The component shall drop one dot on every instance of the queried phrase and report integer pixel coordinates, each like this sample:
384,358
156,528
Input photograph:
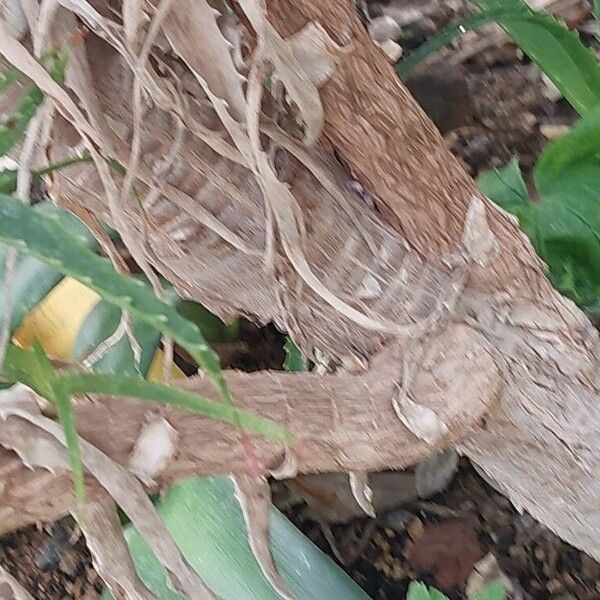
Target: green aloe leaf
109,384
45,239
205,519
557,51
101,322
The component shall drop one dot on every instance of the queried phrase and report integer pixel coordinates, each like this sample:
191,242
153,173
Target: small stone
384,28
69,562
397,520
554,585
539,553
415,529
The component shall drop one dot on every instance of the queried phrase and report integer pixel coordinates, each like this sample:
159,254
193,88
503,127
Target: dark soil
539,565
490,108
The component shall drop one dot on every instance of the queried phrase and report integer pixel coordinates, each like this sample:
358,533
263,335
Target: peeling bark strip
500,341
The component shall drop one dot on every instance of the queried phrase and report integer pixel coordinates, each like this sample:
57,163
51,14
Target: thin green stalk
449,33
63,164
109,384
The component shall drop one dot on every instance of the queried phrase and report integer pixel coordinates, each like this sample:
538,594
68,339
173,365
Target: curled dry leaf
254,495
362,492
153,450
421,420
104,536
300,78
316,52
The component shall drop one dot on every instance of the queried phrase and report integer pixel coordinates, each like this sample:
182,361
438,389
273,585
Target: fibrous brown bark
531,363
340,423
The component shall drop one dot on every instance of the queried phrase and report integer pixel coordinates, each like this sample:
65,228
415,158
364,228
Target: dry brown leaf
191,28
362,492
288,67
19,403
104,537
254,495
132,18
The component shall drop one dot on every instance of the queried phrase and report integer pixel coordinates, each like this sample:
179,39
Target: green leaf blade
557,51
294,361
66,417
452,31
207,524
506,188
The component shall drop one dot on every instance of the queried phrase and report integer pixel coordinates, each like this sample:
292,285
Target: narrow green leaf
494,591
507,188
46,240
294,359
13,127
557,51
64,408
452,31
23,364
136,387
417,591
8,177
32,367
